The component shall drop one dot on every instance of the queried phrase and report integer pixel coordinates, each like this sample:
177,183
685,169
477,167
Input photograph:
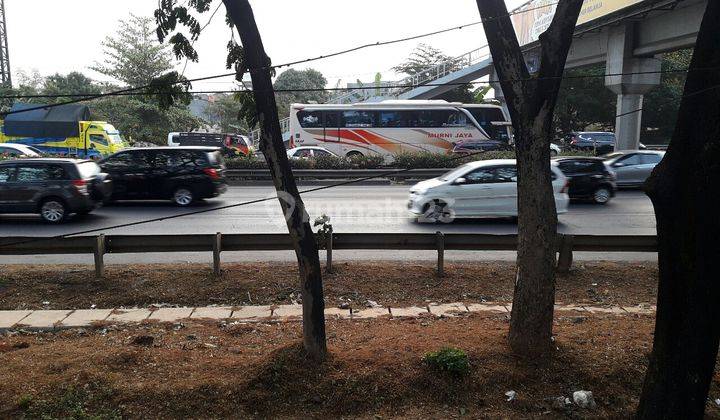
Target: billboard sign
530,24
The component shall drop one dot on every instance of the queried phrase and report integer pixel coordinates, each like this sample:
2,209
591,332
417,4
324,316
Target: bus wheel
354,155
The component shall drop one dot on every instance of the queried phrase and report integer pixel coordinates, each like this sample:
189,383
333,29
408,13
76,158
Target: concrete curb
52,320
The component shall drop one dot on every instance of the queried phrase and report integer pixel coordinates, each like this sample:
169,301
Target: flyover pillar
499,95
630,78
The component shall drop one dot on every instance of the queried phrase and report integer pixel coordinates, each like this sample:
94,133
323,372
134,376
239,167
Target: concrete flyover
630,40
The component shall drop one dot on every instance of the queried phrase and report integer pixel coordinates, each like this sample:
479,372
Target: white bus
391,127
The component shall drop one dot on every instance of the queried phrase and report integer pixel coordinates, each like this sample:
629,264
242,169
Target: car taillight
81,186
564,189
212,173
573,141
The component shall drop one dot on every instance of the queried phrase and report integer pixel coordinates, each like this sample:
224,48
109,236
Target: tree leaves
169,89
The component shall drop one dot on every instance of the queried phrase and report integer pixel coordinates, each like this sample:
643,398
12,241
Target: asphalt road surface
357,208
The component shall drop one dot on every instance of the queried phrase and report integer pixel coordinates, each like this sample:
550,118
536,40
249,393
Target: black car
181,174
54,188
599,141
590,178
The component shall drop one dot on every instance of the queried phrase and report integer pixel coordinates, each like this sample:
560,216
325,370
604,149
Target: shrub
329,162
367,162
441,160
448,359
245,162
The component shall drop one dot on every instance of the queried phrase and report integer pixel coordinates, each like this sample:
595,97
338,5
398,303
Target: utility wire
307,60
307,191
412,86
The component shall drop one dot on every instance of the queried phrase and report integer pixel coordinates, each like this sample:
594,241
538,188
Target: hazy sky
62,36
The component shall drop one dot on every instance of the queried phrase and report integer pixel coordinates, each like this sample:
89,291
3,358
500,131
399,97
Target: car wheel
183,196
553,152
602,195
53,210
437,211
354,155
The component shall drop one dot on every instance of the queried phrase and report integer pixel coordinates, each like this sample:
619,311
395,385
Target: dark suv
600,141
180,174
589,178
54,188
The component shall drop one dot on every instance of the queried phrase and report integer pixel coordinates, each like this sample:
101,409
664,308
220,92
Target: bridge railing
217,243
426,75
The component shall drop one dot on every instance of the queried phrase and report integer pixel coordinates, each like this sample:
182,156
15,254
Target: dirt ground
375,370
396,283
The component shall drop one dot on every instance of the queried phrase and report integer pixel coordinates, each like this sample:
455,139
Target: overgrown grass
88,402
448,359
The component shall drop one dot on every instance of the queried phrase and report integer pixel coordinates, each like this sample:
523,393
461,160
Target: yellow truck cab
63,130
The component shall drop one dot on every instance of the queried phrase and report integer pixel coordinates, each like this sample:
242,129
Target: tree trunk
272,146
685,192
531,101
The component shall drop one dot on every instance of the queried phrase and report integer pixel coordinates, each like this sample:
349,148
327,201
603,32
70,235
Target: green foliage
423,59
133,56
448,359
299,79
584,101
440,160
89,402
661,105
141,120
72,83
224,111
401,161
366,162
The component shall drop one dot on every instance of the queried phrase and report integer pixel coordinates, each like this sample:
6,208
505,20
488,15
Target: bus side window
331,119
357,119
310,119
392,119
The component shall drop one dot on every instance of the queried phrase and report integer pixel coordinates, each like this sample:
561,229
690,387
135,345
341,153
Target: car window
6,172
630,160
127,160
119,161
88,169
481,176
492,175
506,174
453,173
304,153
321,152
650,158
6,151
36,173
578,166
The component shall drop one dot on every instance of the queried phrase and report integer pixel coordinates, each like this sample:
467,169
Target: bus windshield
485,117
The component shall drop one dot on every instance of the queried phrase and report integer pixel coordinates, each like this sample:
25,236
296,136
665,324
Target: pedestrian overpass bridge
629,40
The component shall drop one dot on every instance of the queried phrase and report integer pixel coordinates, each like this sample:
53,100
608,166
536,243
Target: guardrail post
328,251
217,248
440,241
566,253
99,252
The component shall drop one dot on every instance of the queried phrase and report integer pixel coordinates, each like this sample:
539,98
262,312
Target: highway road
357,208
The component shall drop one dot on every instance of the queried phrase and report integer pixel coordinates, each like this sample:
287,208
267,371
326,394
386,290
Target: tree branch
553,45
505,51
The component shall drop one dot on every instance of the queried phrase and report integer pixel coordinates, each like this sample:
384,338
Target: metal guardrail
217,243
264,174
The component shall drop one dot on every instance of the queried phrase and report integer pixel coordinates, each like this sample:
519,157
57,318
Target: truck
64,130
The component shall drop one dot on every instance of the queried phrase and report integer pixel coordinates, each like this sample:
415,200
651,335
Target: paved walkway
44,320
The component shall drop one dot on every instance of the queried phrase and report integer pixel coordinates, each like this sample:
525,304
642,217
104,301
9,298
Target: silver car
633,167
